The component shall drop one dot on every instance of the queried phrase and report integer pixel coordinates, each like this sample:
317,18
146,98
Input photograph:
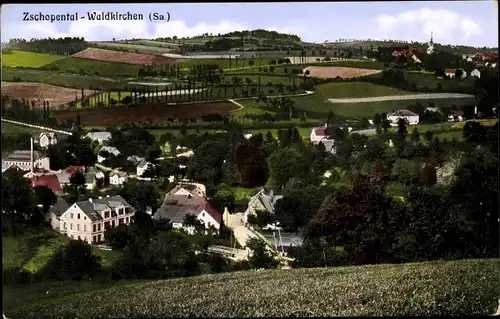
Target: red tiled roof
212,211
50,181
320,131
399,53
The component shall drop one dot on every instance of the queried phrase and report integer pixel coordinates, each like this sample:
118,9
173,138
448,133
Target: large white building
410,117
24,161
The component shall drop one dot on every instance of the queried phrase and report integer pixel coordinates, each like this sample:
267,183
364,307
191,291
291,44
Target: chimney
32,157
90,200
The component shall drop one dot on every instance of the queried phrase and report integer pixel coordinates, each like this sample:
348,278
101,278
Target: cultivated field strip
424,96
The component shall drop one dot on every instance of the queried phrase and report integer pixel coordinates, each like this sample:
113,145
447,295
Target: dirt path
424,96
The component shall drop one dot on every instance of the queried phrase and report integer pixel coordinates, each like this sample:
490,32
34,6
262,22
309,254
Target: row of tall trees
189,91
27,111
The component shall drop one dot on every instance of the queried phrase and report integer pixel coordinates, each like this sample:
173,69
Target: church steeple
432,42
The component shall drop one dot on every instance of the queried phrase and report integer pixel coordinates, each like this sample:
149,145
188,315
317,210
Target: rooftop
22,156
92,207
320,131
402,112
51,181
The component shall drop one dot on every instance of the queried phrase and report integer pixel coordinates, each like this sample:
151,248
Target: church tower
430,49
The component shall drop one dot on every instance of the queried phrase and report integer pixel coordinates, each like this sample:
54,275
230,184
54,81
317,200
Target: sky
452,22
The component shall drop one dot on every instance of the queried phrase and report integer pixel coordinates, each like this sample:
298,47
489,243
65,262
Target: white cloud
106,30
447,26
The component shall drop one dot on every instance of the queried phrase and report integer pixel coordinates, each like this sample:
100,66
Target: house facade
45,139
118,178
410,117
329,144
262,201
475,73
22,159
88,220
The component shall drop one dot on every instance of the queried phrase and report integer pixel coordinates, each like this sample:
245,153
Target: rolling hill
463,287
17,58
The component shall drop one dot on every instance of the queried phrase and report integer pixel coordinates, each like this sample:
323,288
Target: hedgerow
465,287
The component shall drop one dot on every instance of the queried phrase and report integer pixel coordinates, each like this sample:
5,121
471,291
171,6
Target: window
64,225
94,227
106,214
85,238
112,223
98,227
202,214
77,226
84,227
79,238
70,226
94,239
84,218
71,215
78,216
120,221
98,238
120,211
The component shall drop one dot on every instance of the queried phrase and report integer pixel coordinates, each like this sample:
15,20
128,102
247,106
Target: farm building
317,134
175,208
98,136
452,72
410,117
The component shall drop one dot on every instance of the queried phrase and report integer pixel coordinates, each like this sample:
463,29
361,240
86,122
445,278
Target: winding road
424,96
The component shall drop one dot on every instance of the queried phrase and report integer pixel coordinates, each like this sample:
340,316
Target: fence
37,126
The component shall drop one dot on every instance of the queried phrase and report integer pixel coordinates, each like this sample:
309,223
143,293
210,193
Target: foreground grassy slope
466,287
32,252
27,59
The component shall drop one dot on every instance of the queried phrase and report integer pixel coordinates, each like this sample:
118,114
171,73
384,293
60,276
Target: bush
464,287
13,276
75,261
118,237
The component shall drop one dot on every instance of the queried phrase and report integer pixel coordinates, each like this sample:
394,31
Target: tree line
59,46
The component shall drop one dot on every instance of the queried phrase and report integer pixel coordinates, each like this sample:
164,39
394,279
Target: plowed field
55,95
149,113
330,72
122,57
